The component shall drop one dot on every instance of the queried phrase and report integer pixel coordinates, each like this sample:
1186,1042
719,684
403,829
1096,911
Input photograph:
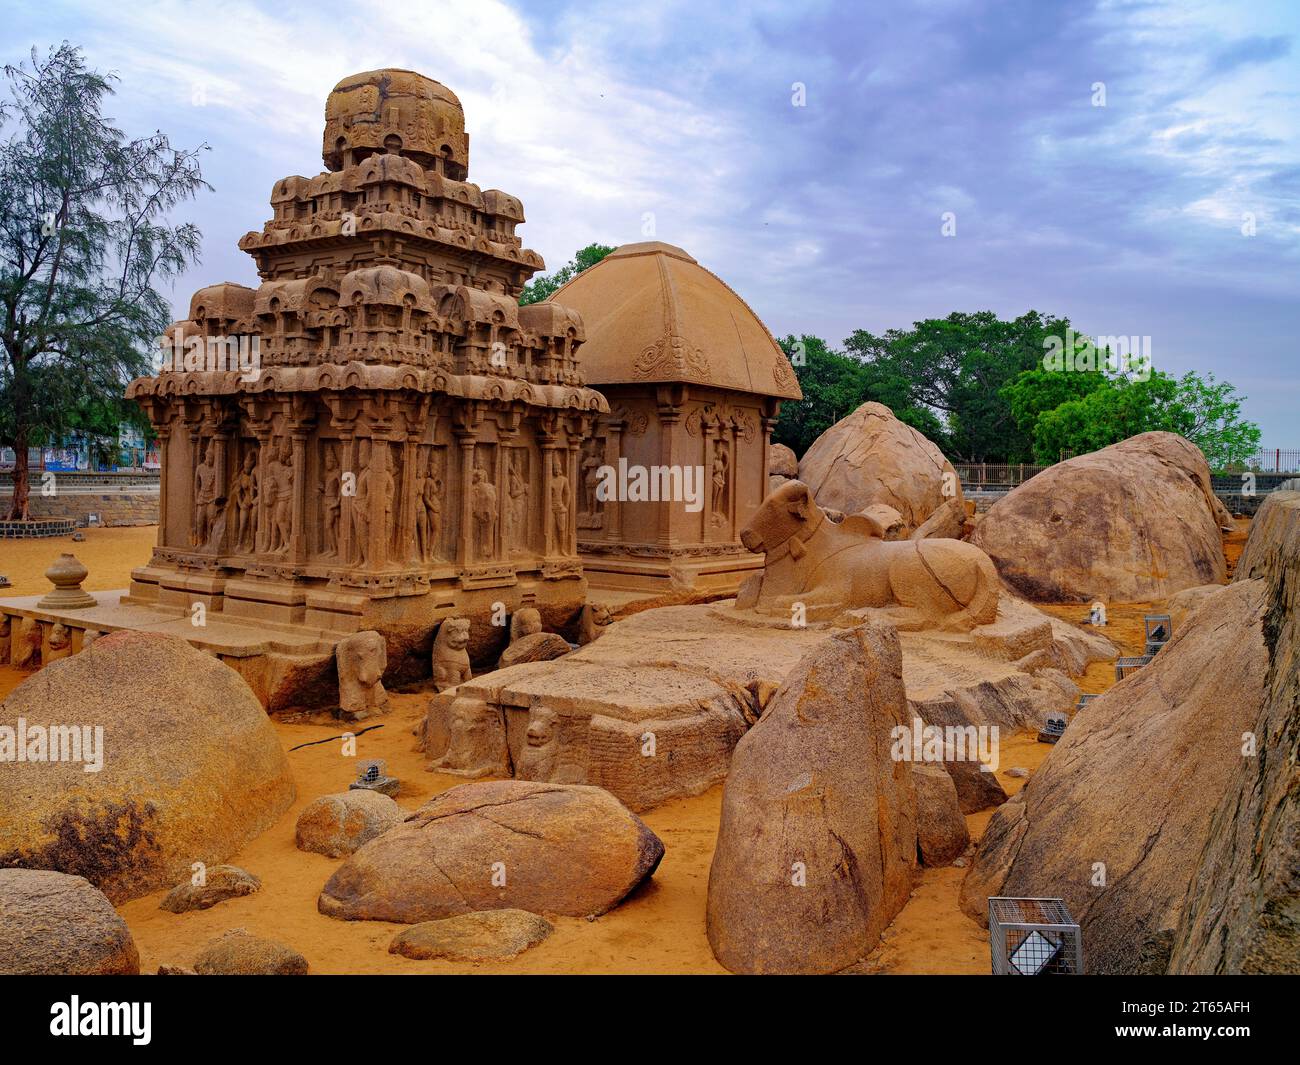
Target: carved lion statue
450,657
832,568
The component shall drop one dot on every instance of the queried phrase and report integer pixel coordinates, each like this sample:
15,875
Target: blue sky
605,118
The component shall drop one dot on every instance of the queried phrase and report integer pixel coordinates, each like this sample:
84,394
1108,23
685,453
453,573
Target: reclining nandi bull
832,568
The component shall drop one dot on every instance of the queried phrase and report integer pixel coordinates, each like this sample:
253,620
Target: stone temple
379,438
694,382
409,443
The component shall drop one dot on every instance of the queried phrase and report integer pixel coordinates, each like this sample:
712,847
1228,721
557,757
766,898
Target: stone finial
66,574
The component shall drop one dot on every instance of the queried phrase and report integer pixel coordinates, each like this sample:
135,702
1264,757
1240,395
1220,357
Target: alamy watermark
652,484
919,742
1076,353
53,743
241,352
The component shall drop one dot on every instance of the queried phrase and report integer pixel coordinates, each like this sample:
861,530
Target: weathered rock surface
781,461
478,936
219,884
53,924
941,832
1242,914
239,954
1135,521
977,789
872,457
535,647
337,825
816,849
1133,785
511,844
192,767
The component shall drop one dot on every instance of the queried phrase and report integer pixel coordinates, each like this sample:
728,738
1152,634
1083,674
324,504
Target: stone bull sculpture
831,568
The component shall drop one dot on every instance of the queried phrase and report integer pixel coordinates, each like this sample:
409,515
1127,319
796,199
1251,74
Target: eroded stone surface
871,457
516,844
1134,784
192,767
817,845
53,924
220,883
1133,522
237,953
477,936
336,825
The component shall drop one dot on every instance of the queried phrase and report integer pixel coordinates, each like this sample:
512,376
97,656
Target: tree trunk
18,506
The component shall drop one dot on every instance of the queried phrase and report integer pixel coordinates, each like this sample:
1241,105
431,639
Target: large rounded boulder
870,457
143,756
1119,818
1133,522
506,844
53,924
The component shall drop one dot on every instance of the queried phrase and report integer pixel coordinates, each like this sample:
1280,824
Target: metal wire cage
1034,937
1159,627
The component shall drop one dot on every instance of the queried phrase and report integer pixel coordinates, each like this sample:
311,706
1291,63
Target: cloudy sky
612,120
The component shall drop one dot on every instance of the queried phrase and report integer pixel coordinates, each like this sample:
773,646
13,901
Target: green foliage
1032,393
543,287
83,242
1205,411
956,368
835,385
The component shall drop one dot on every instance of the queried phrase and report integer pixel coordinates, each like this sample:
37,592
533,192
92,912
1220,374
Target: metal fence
1275,460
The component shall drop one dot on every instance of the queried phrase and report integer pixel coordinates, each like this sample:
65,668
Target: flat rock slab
473,936
512,844
53,924
239,954
220,883
653,709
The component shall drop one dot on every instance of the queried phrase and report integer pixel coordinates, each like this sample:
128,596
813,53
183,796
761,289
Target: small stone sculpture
528,643
60,643
476,741
361,659
450,657
66,574
542,758
592,622
27,654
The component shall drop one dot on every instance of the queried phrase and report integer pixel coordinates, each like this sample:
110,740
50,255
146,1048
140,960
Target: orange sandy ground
658,929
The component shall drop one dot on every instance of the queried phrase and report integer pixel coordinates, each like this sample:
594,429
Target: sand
658,929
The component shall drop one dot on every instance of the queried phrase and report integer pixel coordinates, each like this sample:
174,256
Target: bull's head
787,513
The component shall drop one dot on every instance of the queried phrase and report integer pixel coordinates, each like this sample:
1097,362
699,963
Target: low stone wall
135,505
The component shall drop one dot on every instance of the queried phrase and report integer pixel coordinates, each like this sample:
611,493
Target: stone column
465,553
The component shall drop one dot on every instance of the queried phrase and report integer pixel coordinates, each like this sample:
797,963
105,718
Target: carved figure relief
206,491
484,508
559,503
244,498
332,501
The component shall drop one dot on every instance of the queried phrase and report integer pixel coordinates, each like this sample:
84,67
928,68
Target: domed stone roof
395,111
654,315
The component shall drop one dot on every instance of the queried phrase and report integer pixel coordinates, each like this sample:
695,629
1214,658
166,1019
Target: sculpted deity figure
429,526
484,506
244,494
332,491
282,518
720,484
559,503
206,491
517,505
361,508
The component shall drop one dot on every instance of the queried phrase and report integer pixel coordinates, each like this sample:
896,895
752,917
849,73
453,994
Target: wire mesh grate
1034,937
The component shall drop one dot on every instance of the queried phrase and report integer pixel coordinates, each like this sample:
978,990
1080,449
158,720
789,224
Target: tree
83,243
956,368
833,385
1032,393
1205,411
543,287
